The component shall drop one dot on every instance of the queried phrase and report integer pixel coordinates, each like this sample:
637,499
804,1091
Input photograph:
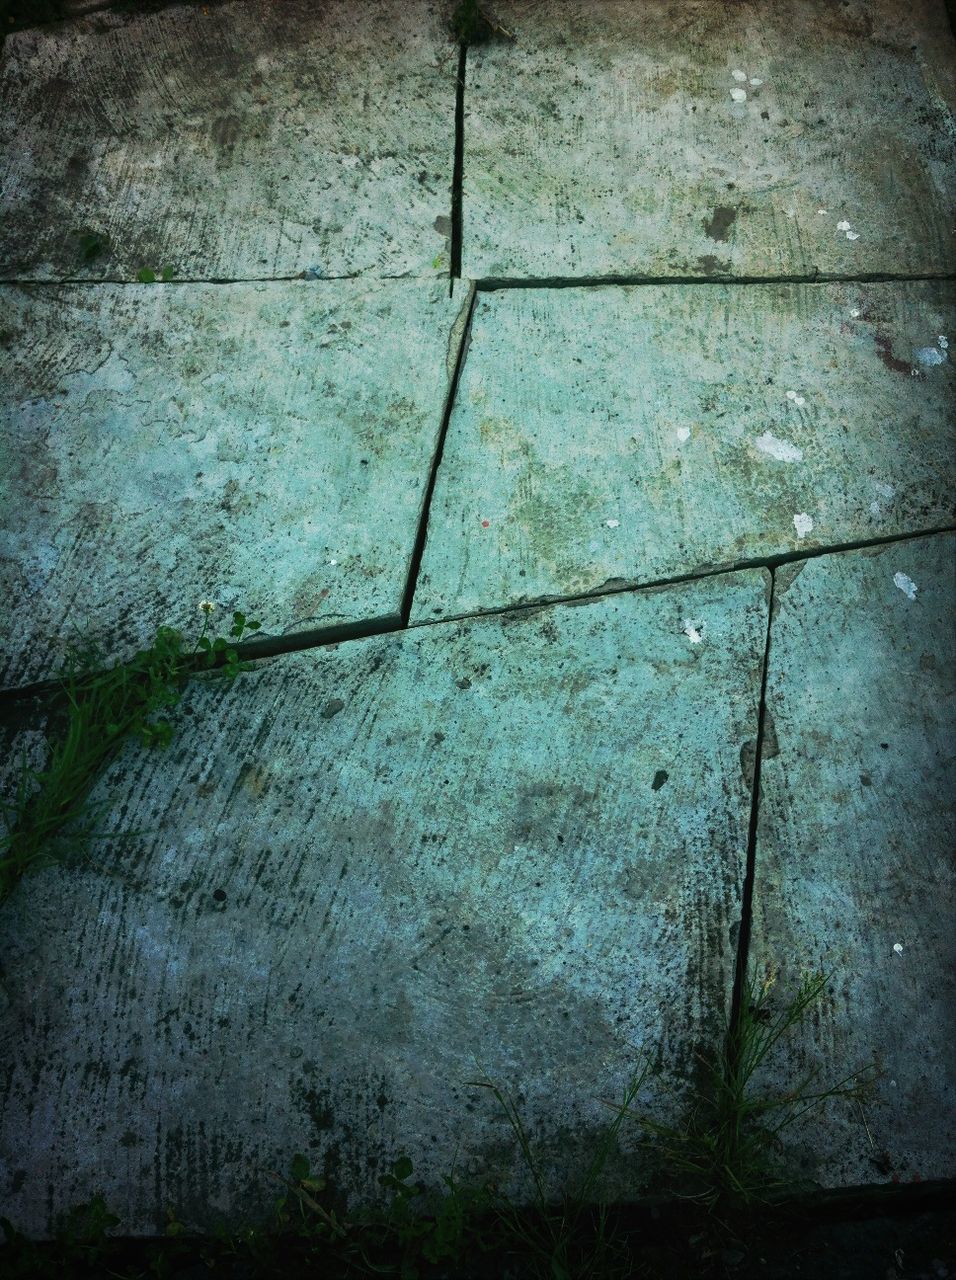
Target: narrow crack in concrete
458,166
746,904
422,533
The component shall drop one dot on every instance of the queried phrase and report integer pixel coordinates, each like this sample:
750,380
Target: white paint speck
782,450
906,585
333,562
843,226
693,630
612,524
791,395
885,490
854,314
739,75
852,235
683,433
943,341
739,95
823,211
898,948
755,80
929,355
802,523
796,398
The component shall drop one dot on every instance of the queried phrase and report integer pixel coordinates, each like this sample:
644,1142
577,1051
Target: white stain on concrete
739,95
906,585
929,355
898,948
854,314
802,523
694,630
612,524
884,490
943,341
782,450
739,75
843,225
798,400
683,433
852,235
755,81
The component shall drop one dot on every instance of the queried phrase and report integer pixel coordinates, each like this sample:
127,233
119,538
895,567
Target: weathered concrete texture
855,867
242,141
618,435
370,874
265,446
605,138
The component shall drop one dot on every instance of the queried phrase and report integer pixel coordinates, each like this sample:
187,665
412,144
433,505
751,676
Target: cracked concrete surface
548,838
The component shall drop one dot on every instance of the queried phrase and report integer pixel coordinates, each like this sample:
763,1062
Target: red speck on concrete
485,524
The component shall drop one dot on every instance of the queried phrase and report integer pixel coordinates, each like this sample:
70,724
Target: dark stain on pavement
884,349
720,221
712,266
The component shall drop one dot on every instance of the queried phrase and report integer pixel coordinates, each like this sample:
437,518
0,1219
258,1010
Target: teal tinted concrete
370,873
617,435
266,447
709,139
855,867
239,141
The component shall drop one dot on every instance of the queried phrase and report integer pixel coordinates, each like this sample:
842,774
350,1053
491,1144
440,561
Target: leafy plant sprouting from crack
93,712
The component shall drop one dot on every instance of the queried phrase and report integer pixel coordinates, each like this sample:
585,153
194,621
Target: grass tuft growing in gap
727,1153
93,713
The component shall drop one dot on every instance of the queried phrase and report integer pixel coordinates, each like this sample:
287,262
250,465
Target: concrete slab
372,872
855,868
238,141
606,138
265,446
607,436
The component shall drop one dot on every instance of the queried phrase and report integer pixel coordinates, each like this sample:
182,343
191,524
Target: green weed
92,714
146,275
727,1153
559,1240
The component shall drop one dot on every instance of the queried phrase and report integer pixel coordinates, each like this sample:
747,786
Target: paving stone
265,446
604,138
240,141
613,435
855,869
369,874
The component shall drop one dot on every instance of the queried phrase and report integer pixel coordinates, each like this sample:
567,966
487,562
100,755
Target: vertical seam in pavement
415,563
458,168
746,905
